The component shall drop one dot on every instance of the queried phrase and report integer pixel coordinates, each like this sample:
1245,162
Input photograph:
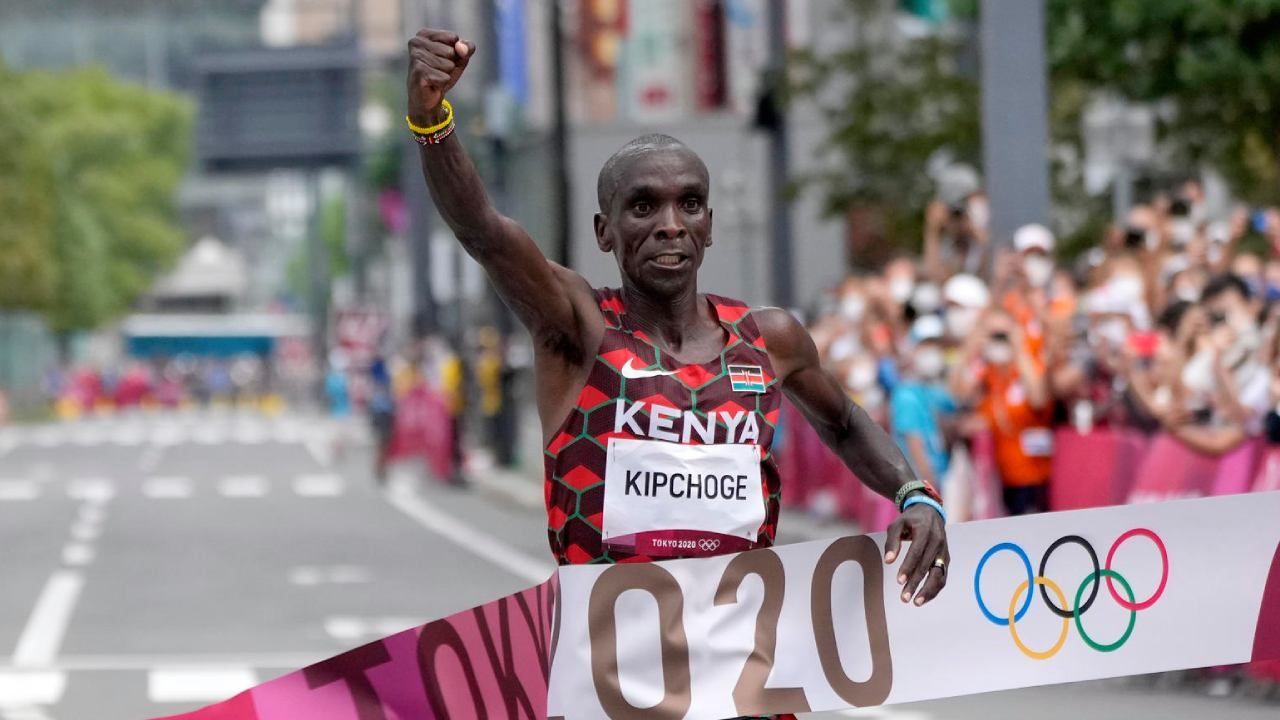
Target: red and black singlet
707,401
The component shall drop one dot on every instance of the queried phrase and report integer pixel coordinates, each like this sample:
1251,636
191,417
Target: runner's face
659,226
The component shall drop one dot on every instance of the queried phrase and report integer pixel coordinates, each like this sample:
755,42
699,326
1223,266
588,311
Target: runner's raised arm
545,296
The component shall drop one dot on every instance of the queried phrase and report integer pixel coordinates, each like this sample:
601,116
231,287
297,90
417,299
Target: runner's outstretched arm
547,298
862,445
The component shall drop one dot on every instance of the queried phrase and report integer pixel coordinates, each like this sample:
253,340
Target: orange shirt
1025,315
1021,434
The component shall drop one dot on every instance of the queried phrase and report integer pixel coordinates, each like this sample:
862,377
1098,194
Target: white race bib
1036,442
651,486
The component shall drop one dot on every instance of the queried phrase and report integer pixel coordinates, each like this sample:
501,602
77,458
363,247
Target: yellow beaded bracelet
448,120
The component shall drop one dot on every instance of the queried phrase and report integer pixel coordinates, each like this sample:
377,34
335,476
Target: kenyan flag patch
746,378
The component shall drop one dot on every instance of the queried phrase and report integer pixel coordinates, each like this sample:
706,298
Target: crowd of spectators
1167,325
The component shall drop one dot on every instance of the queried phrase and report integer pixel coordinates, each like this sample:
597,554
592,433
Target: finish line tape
1055,598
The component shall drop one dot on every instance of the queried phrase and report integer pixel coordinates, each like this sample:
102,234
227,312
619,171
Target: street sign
296,108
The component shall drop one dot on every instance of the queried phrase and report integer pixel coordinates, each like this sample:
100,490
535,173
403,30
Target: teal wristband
923,500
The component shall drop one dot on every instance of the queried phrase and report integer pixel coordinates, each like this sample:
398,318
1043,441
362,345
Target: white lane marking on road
88,435
38,645
286,432
19,688
249,432
166,487
307,575
168,434
46,436
353,629
168,685
211,434
91,489
243,486
128,434
327,485
19,490
77,554
480,544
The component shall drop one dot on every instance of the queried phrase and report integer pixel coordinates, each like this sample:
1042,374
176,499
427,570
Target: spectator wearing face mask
1025,277
921,404
1007,385
964,299
1228,390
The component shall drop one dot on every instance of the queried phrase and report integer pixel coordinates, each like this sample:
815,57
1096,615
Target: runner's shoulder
779,327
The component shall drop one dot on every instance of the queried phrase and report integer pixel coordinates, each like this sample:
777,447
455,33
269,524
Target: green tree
891,103
1214,64
105,160
333,233
28,273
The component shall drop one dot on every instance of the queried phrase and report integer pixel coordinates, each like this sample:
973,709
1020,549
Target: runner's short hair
611,174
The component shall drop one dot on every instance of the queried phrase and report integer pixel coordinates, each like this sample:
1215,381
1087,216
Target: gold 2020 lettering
750,695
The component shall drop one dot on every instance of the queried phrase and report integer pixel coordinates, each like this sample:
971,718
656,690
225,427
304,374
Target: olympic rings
1133,614
1081,605
1164,572
1062,612
1043,582
977,576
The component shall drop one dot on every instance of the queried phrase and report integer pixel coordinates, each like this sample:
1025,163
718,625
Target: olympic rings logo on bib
1025,590
708,544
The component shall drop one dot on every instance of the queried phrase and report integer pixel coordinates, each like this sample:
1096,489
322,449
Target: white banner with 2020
821,626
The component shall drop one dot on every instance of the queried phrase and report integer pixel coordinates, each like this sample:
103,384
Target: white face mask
861,377
926,299
998,353
1126,288
1197,374
900,289
960,321
1188,293
1039,269
1114,331
844,347
929,363
852,307
1182,232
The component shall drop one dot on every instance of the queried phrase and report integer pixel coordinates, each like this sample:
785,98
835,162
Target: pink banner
1094,469
489,661
423,428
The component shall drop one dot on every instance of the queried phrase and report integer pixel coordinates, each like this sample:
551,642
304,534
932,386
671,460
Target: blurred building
153,42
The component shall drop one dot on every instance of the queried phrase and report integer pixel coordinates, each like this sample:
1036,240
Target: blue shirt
917,408
335,387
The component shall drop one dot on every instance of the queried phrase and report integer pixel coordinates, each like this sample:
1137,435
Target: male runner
657,403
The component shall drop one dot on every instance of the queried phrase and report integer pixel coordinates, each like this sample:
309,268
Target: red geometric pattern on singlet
575,456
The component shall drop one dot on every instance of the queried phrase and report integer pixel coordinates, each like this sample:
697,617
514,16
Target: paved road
151,565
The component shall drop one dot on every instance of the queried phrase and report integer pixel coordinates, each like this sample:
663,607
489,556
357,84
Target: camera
1135,238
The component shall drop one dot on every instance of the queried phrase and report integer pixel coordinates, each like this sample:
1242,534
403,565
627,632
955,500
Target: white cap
966,291
927,327
1033,237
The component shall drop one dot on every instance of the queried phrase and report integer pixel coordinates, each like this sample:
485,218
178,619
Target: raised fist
437,59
